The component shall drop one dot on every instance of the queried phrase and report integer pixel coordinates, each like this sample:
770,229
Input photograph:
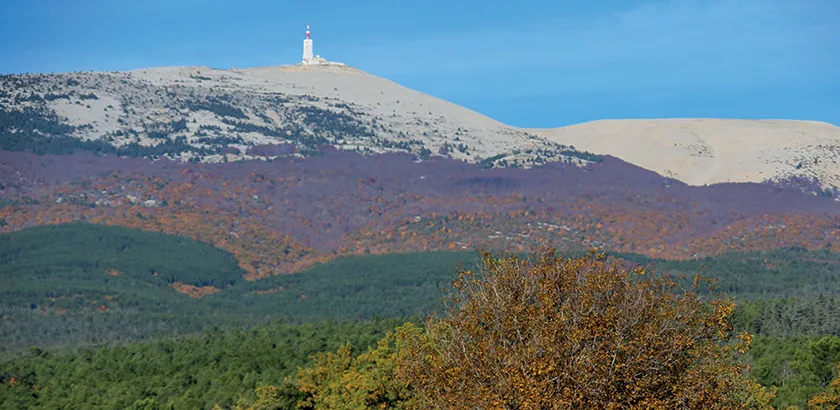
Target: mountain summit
216,115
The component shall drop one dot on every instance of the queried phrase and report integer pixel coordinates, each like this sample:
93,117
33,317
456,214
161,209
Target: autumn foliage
551,333
828,400
285,216
194,291
338,380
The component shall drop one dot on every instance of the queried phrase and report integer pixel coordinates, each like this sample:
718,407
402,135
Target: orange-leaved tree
553,333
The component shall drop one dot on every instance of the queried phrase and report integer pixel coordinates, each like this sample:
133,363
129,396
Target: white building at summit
309,58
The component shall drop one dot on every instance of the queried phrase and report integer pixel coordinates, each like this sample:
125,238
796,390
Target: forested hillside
77,284
285,216
191,373
241,346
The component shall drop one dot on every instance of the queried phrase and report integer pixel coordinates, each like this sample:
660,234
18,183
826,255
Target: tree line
517,332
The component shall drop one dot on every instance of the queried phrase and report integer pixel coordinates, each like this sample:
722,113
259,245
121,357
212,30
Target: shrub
549,332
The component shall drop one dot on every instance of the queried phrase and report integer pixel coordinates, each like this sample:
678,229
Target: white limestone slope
408,110
129,107
708,151
400,113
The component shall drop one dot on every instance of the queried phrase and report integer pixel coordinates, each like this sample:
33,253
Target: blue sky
526,63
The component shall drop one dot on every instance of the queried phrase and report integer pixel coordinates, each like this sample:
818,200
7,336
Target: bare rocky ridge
214,115
217,115
709,151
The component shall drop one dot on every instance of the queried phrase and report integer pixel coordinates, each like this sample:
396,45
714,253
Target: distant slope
285,216
709,151
213,115
84,283
77,284
216,115
47,251
56,292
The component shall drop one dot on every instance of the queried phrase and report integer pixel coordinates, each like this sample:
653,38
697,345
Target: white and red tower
307,47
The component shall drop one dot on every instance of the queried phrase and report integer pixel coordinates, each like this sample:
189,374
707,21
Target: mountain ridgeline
215,115
203,114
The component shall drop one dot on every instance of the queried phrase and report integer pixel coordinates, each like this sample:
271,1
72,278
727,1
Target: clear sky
526,63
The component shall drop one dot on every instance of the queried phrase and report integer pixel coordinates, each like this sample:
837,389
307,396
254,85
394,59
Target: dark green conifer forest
89,317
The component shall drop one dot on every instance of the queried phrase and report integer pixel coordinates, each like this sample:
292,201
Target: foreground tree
830,399
342,382
550,333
